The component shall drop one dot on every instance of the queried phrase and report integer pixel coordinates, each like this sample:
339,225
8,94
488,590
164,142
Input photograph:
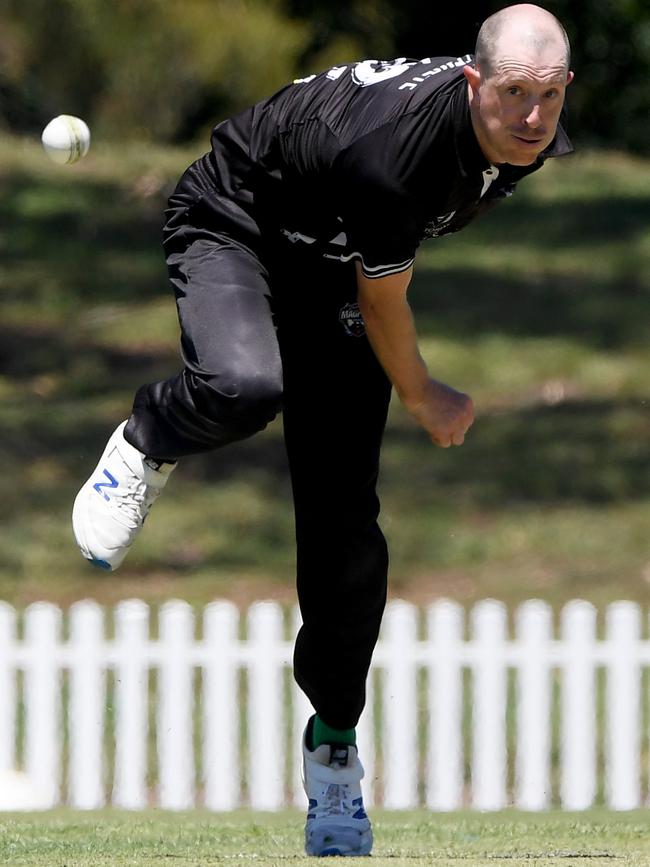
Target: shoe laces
334,800
134,499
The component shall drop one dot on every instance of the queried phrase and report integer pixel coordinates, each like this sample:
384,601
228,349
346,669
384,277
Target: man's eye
514,90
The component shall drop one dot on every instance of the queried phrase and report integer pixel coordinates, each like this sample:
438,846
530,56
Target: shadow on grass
609,314
587,452
604,303
79,366
79,243
583,225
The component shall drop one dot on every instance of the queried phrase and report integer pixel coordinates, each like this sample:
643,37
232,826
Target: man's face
516,107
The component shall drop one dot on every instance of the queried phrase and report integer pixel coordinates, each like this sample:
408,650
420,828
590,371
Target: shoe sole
78,514
350,848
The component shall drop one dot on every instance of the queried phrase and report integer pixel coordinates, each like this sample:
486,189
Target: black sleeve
378,213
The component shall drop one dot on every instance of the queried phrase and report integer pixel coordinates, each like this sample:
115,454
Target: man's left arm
443,412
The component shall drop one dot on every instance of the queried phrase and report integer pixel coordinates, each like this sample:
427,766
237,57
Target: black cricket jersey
363,161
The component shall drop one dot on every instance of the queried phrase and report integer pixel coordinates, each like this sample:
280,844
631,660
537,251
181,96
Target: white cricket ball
66,139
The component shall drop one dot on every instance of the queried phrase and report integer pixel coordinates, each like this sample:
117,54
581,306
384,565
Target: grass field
541,311
65,839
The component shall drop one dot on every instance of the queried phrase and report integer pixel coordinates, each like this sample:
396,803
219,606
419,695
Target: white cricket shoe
337,823
110,508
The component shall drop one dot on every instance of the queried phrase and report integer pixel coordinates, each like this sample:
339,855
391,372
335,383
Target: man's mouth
527,141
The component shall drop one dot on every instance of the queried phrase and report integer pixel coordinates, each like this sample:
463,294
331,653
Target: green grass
66,839
541,311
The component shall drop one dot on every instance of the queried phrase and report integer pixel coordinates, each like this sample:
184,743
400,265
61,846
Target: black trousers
283,334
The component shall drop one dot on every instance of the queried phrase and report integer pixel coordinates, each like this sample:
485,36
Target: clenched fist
446,414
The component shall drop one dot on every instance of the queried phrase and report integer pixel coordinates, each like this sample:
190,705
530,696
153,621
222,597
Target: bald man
290,247
517,84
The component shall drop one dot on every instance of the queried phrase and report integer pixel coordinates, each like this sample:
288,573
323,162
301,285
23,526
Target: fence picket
175,704
8,691
623,621
131,704
265,705
43,702
221,768
488,707
87,707
444,779
399,703
302,710
366,744
534,630
578,725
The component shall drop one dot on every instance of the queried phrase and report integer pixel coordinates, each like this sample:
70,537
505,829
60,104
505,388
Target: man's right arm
443,412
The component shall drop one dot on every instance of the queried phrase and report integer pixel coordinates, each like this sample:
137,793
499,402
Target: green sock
321,733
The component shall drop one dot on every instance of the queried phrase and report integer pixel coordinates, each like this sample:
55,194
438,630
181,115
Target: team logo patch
352,321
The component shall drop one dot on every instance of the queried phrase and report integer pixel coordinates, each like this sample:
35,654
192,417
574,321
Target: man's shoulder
430,75
357,98
413,126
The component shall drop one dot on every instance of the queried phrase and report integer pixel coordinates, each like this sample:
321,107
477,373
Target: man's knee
250,398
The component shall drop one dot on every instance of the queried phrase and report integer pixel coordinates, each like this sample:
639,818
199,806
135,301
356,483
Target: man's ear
569,78
473,77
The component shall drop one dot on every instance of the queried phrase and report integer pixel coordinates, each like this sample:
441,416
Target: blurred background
541,311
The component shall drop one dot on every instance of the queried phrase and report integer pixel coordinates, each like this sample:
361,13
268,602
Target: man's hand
445,414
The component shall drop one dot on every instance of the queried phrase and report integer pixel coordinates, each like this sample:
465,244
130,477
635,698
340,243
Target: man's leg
335,407
229,388
231,383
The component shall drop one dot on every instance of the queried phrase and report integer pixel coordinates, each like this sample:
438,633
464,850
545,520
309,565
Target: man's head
517,84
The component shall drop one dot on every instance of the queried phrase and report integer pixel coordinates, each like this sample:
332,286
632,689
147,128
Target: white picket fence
104,713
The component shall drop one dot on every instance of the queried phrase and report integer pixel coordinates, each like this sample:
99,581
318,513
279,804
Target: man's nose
534,117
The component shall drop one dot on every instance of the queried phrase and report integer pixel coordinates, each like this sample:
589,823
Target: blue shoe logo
111,483
360,813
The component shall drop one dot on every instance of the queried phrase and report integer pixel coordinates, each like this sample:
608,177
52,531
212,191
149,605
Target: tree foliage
169,69
146,68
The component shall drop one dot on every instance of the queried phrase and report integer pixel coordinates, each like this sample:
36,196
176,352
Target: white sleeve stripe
374,270
387,270
401,265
